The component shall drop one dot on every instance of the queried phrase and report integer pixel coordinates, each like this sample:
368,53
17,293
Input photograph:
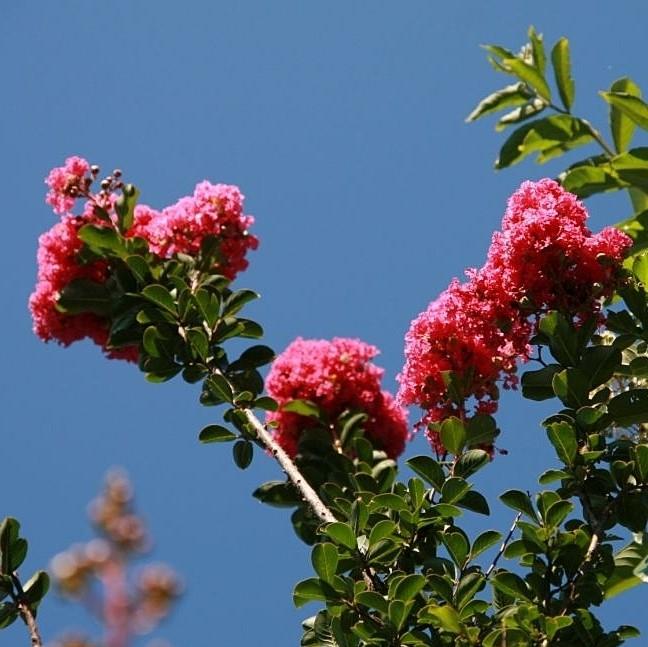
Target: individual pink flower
213,210
543,258
66,184
337,375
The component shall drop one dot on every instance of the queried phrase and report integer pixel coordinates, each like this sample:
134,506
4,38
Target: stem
292,472
26,613
598,138
505,543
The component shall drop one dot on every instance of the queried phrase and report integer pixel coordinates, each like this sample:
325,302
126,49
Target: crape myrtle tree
392,565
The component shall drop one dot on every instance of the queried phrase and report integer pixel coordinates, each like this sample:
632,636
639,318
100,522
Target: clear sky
343,123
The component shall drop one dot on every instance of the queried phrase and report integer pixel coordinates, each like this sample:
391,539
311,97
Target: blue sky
343,123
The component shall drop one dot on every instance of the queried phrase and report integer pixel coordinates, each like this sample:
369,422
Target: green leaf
8,613
474,501
84,295
254,357
325,561
622,127
303,408
563,437
372,600
563,340
103,239
537,385
18,553
572,387
557,513
632,167
36,587
513,585
139,267
511,95
307,591
454,489
529,74
216,434
640,268
428,469
481,430
641,461
209,305
630,105
409,587
599,363
470,462
237,300
9,529
381,530
447,617
279,494
538,50
220,387
586,179
534,107
125,207
484,541
243,451
562,69
342,534
457,546
549,476
629,408
549,137
519,501
453,434
397,613
159,295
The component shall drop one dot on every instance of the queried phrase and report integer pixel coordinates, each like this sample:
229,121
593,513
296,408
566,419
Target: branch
29,619
292,472
505,543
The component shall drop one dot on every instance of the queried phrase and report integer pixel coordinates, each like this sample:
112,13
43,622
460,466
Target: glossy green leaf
307,591
529,110
513,585
470,462
557,513
632,167
428,469
220,387
160,296
209,305
36,587
562,70
381,530
550,476
303,408
409,587
8,614
9,529
237,300
125,207
103,239
630,105
474,501
457,546
454,489
484,541
537,385
572,387
622,126
511,95
549,137
216,434
84,295
325,560
629,408
563,437
453,434
342,534
447,617
519,501
280,494
243,451
538,50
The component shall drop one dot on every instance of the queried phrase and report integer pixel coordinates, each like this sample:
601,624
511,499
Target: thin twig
292,472
28,617
25,612
505,543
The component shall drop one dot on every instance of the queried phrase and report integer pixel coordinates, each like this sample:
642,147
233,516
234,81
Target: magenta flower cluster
544,258
213,210
336,375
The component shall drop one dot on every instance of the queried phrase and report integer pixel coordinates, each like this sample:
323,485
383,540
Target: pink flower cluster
544,258
212,210
336,375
